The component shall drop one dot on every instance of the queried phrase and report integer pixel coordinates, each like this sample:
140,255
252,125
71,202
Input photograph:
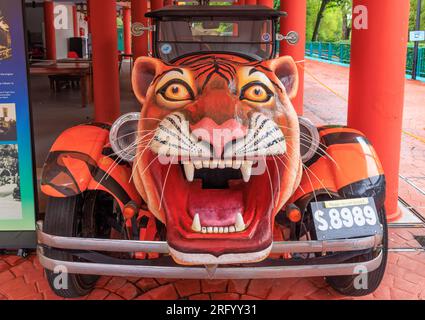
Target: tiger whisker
165,182
270,180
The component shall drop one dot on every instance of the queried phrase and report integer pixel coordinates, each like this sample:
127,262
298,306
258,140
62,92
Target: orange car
216,176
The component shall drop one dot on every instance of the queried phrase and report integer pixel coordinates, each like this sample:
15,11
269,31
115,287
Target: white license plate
348,218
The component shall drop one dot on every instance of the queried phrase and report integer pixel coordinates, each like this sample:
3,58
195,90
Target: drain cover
421,240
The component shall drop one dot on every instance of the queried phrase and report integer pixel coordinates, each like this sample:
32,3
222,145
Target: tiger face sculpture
218,152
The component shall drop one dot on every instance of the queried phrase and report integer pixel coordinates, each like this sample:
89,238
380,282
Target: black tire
62,218
345,284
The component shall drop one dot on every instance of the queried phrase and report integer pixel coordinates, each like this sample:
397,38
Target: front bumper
165,267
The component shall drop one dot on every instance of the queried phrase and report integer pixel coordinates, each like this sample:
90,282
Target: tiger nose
218,135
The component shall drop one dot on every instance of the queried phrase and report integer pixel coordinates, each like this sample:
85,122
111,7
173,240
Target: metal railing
340,53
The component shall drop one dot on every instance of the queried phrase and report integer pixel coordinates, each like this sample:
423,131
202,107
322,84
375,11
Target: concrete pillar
105,60
377,78
295,21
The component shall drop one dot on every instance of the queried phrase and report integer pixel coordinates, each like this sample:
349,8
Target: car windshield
177,38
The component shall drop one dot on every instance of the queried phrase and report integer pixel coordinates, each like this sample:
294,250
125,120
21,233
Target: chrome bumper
168,269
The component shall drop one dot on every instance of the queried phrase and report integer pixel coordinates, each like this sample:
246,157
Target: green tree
412,20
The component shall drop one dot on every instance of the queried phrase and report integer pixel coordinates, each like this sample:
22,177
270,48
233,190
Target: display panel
17,192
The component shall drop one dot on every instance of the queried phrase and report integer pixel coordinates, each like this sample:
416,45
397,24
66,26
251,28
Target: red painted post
75,21
295,21
140,43
127,30
49,30
251,2
267,3
156,4
88,17
377,78
105,60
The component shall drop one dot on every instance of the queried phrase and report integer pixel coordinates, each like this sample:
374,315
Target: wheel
346,284
85,215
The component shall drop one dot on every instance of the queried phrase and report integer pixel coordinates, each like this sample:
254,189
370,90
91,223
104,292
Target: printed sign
17,196
343,219
417,36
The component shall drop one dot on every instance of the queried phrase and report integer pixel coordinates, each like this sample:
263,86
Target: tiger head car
213,174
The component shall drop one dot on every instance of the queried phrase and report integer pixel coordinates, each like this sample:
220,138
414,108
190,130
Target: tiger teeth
246,170
244,166
189,170
239,224
196,224
237,227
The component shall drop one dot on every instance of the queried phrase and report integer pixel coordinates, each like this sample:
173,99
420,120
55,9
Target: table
70,68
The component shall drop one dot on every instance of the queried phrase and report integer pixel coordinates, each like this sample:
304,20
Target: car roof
251,11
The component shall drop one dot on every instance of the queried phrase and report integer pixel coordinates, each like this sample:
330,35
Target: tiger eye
176,92
256,93
175,89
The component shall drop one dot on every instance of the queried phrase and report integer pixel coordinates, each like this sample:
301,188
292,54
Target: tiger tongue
216,208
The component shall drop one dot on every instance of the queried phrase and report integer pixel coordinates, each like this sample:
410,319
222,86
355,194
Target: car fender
345,166
80,160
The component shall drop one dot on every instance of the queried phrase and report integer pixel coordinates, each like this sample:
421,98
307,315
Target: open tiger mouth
219,210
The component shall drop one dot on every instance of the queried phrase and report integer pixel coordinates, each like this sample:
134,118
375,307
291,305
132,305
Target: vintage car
216,177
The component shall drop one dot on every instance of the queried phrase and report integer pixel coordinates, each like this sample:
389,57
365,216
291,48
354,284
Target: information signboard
17,190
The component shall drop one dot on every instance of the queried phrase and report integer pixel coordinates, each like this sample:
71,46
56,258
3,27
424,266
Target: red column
88,17
251,2
127,30
377,77
156,4
140,43
105,60
267,3
75,21
295,21
49,30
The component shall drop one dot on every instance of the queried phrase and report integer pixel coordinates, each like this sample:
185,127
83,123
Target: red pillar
105,60
377,77
49,30
75,21
295,21
140,43
156,4
250,2
88,17
267,3
127,30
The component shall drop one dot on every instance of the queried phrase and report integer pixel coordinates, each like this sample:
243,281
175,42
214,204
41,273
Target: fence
340,53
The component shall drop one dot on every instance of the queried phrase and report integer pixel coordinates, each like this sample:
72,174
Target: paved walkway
405,276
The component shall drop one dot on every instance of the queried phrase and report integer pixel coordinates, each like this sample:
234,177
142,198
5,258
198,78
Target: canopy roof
255,12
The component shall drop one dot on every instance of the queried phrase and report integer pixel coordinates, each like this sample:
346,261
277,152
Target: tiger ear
287,72
144,71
